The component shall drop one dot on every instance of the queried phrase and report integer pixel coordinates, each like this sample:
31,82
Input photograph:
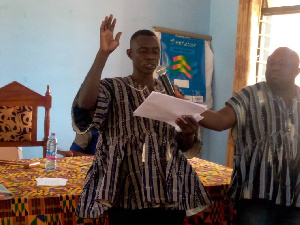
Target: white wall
54,42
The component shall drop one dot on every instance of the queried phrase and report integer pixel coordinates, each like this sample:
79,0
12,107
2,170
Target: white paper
46,181
167,108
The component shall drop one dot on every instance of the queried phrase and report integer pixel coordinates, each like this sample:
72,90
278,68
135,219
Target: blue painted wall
223,27
54,42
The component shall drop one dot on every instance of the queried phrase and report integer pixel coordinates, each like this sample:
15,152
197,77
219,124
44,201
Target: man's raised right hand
107,41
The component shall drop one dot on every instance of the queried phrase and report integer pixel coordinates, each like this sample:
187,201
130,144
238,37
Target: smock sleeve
84,120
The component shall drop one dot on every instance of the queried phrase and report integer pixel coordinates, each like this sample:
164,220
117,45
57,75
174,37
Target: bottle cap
52,133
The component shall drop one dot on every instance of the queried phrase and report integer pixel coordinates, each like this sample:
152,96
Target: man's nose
150,57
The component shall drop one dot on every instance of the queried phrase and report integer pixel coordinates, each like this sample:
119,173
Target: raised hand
107,41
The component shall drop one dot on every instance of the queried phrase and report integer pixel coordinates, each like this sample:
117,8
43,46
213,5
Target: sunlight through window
278,31
285,33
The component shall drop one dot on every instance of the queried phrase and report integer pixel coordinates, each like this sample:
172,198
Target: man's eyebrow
284,60
143,47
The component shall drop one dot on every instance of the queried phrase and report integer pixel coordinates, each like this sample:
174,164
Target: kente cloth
34,204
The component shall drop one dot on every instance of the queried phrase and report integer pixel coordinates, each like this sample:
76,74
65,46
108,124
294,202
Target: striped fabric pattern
267,146
118,176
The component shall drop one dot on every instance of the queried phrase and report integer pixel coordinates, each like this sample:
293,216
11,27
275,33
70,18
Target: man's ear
129,53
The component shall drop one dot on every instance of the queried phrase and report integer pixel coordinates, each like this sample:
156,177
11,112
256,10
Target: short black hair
141,32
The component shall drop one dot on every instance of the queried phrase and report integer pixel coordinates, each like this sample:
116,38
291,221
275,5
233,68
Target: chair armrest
65,153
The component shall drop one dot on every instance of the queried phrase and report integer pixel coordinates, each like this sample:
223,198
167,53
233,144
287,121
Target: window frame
269,11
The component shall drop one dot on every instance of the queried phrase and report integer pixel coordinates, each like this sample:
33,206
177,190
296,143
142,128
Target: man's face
282,69
145,54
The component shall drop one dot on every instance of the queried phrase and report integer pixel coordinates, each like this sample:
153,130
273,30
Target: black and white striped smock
267,147
138,163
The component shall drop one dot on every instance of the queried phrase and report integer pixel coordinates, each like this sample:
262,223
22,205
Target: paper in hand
167,108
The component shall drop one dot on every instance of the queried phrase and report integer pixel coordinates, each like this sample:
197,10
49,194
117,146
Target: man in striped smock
265,122
140,174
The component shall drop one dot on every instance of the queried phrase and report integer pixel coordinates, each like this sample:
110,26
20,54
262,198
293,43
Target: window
278,27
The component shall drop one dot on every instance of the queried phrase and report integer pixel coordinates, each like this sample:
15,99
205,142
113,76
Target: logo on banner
184,59
181,64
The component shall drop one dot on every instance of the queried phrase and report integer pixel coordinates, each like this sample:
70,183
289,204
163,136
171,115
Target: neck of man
287,94
144,79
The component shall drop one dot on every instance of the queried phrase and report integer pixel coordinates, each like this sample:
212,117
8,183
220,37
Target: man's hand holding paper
167,109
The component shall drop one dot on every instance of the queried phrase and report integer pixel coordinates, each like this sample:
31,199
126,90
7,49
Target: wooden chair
19,114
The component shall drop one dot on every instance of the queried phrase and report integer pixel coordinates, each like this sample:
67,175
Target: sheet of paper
46,181
167,108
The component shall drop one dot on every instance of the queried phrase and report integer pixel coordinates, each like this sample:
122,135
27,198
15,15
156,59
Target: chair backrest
19,116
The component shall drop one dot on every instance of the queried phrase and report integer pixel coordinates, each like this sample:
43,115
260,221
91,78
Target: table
34,205
216,179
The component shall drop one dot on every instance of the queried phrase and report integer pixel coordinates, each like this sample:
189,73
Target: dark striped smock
138,163
267,148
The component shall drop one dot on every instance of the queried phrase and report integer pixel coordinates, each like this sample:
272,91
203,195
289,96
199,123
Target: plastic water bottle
51,152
